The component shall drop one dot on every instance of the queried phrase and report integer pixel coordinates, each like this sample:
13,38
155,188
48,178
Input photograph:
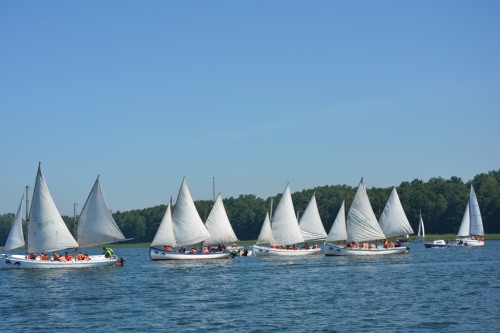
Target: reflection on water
450,290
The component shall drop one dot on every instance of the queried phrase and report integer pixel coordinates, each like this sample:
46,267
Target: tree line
441,202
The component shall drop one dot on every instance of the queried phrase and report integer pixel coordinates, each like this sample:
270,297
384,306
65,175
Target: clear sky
253,93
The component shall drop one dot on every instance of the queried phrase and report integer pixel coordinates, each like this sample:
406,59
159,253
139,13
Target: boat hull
336,250
16,261
159,254
260,250
469,242
436,244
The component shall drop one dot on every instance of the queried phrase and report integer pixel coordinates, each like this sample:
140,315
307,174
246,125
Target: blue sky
253,93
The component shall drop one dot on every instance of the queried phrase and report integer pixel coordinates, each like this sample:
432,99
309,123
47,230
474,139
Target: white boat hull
159,254
469,242
336,250
260,250
16,261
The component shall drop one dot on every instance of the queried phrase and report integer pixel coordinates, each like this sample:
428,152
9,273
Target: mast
27,216
75,227
213,188
271,210
27,203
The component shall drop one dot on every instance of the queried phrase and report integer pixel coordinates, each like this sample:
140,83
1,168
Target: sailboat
362,226
285,231
310,223
47,231
184,227
471,232
421,230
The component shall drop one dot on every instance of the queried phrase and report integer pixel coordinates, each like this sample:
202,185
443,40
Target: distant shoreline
252,242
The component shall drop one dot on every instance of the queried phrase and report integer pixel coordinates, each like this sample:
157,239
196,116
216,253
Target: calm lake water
428,290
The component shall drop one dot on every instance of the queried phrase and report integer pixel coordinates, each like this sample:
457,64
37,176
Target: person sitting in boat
107,251
58,257
372,246
315,246
205,250
68,256
398,243
80,256
386,243
391,245
167,248
219,247
86,257
182,249
44,257
295,247
193,250
31,256
306,246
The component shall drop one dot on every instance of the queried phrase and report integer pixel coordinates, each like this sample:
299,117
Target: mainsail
16,237
310,223
188,226
96,225
218,225
338,230
165,233
46,229
362,225
393,220
476,221
284,224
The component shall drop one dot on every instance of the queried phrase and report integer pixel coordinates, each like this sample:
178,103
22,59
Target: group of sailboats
47,231
362,227
184,227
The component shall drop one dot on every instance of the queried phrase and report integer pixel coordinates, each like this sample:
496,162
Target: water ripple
451,290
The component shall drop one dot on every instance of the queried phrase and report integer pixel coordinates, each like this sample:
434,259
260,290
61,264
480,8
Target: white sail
46,229
16,237
284,223
464,230
96,225
476,221
165,233
421,229
218,225
266,233
310,223
362,225
188,226
338,230
393,220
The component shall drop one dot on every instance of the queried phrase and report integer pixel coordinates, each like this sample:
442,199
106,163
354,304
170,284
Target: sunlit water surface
428,290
